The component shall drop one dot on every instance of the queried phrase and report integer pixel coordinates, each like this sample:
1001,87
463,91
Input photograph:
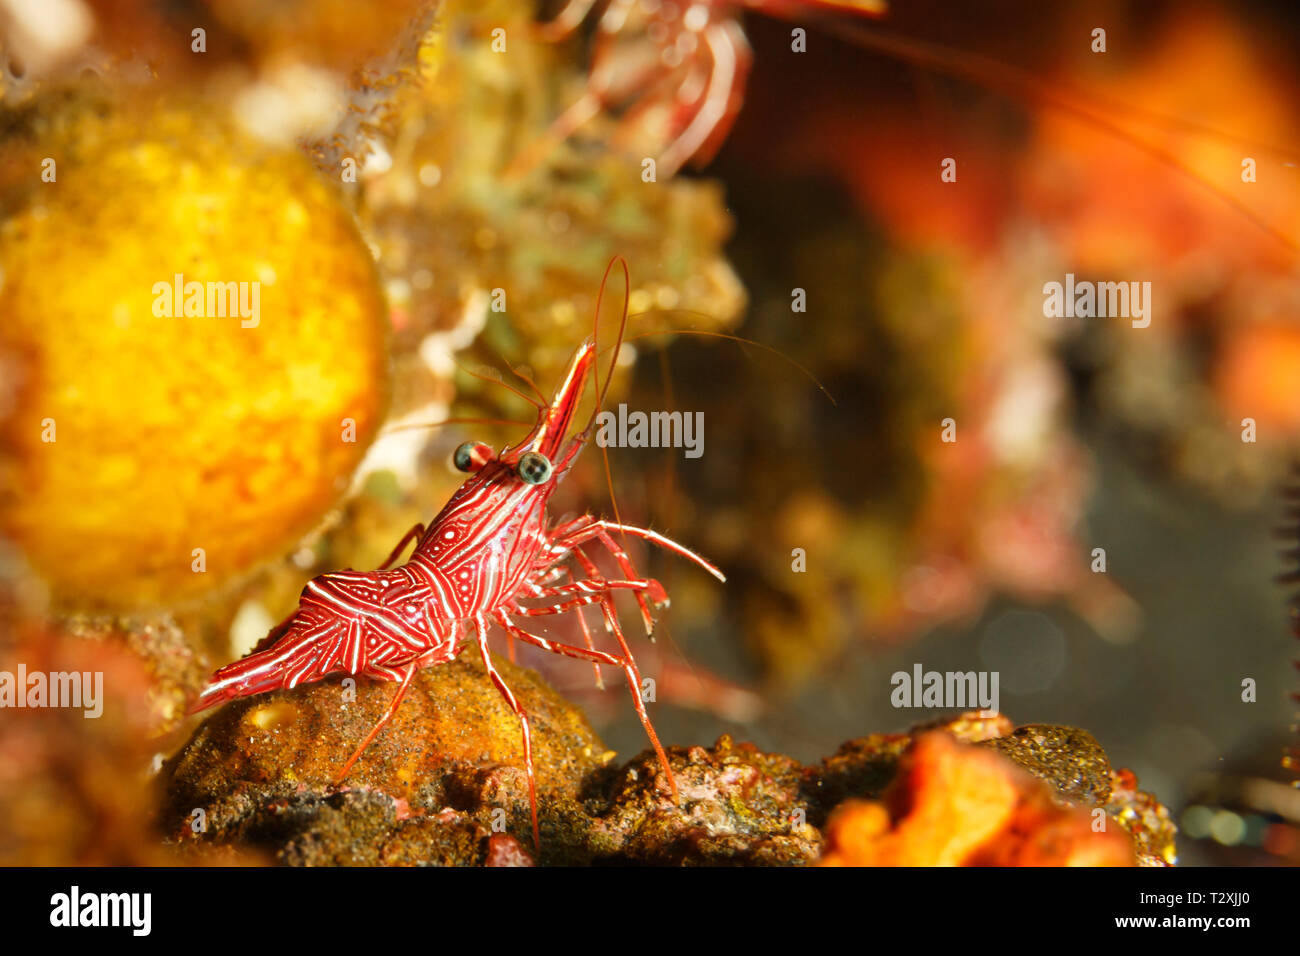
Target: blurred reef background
394,177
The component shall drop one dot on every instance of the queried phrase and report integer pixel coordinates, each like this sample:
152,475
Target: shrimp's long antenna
1023,85
498,380
618,343
670,495
735,338
613,363
527,379
1019,82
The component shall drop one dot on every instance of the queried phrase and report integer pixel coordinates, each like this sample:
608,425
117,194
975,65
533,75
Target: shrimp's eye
534,467
471,456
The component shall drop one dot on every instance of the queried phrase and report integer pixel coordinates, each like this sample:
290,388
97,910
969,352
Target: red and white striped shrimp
490,549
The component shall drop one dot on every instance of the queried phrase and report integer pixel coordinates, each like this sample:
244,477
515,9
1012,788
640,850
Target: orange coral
956,805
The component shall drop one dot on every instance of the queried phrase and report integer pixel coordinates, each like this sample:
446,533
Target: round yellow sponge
195,342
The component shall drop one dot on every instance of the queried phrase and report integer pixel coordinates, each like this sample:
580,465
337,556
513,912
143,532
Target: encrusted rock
736,805
1068,758
444,784
445,774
